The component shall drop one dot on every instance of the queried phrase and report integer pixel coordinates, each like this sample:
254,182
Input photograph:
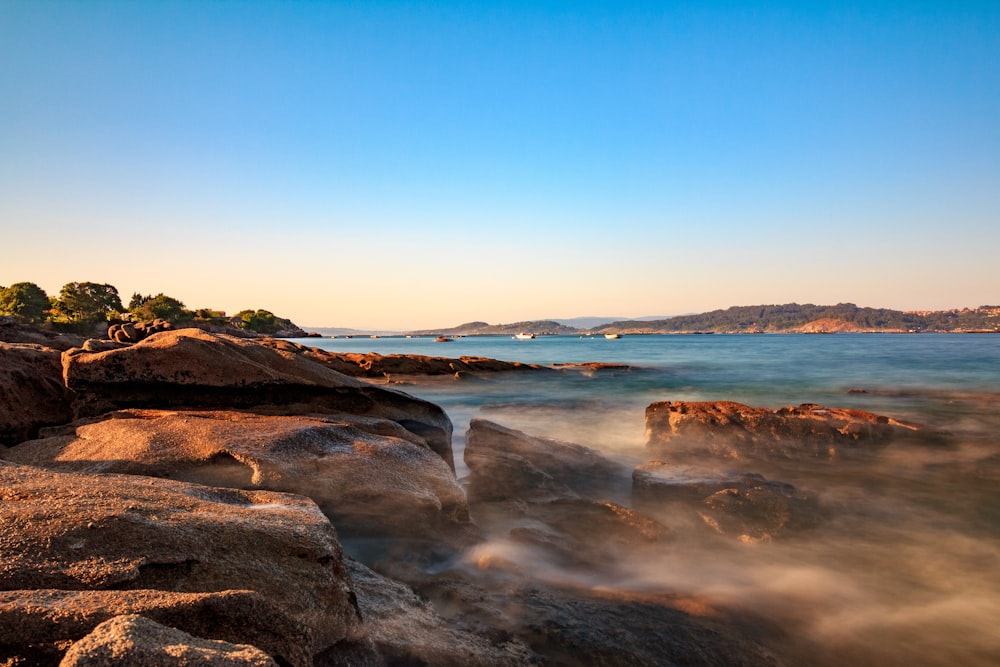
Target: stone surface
367,474
679,429
37,625
505,464
190,368
14,332
135,641
407,631
32,394
106,532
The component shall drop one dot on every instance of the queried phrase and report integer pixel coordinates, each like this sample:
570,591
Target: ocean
906,568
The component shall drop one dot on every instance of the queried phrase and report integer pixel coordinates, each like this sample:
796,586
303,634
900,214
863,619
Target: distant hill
594,322
539,327
809,318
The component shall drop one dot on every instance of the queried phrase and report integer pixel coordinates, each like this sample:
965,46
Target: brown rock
367,474
36,626
32,394
120,532
508,464
190,368
732,430
135,641
15,332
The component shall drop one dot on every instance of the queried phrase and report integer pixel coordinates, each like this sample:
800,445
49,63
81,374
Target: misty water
906,567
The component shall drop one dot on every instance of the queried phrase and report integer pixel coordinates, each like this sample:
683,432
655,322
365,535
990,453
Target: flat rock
366,474
135,641
36,626
680,429
507,464
77,531
191,368
32,394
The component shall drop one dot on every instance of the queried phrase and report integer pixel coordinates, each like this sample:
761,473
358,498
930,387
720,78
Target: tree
137,300
162,306
89,302
262,321
26,302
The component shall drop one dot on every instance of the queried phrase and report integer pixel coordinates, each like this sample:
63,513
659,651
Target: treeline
81,307
792,316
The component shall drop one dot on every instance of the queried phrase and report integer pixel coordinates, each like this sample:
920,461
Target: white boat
524,336
612,336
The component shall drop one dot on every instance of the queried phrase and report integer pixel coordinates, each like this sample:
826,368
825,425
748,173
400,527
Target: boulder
135,641
190,368
368,475
736,504
121,532
682,430
37,625
133,332
407,630
12,331
32,394
508,464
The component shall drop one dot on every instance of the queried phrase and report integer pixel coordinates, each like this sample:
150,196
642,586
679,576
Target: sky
404,165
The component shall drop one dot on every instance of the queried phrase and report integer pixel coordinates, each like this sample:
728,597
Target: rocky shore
195,497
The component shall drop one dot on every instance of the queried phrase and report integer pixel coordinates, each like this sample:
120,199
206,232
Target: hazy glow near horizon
411,165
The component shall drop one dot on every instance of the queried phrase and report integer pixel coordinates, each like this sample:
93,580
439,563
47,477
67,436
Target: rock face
13,332
508,464
372,365
32,394
742,505
368,475
190,368
680,429
133,332
135,641
120,532
36,626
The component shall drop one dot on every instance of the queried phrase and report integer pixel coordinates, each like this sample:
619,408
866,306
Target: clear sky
408,165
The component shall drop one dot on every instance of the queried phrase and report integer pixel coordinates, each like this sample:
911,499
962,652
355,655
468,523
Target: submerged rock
190,368
681,429
32,394
121,532
136,641
367,474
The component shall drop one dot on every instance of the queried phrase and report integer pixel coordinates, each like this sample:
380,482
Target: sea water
906,568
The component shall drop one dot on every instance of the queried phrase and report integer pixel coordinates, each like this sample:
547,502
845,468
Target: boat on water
523,336
442,339
612,336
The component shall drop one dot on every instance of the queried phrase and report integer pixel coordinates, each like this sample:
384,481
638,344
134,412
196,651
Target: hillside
538,327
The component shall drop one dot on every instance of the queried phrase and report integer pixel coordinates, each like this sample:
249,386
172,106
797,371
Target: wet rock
135,641
32,394
408,631
508,464
37,626
368,475
190,368
678,430
121,532
737,504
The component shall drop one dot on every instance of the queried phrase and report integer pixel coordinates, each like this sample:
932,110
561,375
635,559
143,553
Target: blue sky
403,165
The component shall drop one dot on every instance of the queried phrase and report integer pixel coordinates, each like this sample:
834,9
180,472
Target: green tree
137,300
261,321
26,302
89,302
161,306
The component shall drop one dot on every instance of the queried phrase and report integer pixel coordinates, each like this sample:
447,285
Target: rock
407,631
679,430
32,394
36,626
189,368
368,475
15,332
736,504
135,641
121,532
509,464
133,332
372,365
